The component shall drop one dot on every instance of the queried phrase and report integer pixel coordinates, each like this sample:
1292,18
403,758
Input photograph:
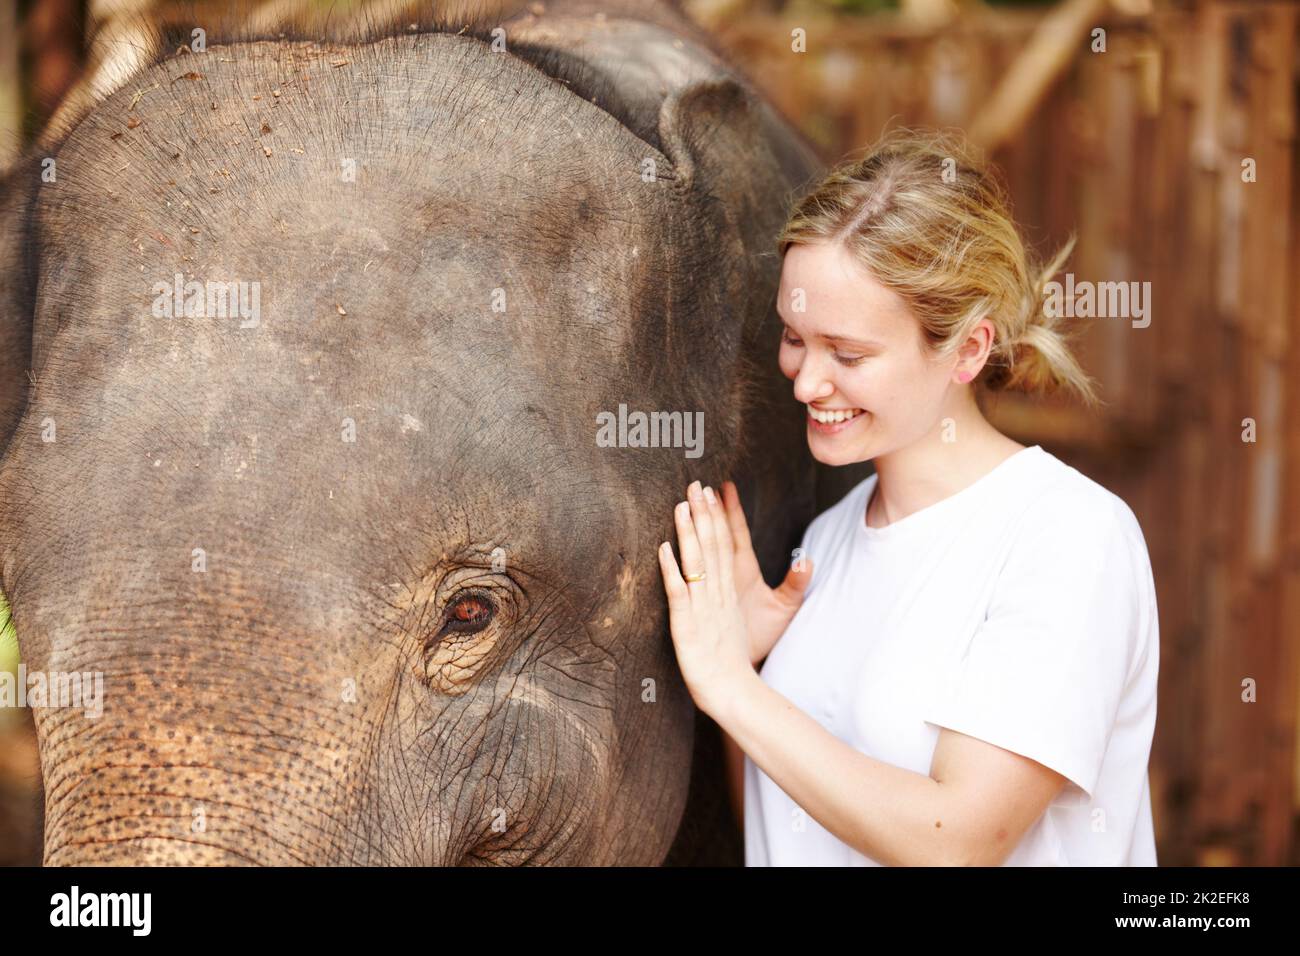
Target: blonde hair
931,223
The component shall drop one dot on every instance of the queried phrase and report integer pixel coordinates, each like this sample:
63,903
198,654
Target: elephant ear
729,147
17,295
726,137
745,167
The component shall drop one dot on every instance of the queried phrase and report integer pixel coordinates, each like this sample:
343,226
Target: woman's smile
830,421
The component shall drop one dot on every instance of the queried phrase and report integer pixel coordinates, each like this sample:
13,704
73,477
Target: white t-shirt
1020,610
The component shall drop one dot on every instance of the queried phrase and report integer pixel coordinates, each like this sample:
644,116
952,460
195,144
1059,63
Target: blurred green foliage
9,656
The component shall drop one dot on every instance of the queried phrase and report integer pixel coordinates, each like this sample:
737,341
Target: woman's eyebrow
834,339
842,340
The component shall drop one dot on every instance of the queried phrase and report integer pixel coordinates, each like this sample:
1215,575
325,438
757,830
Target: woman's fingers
679,599
688,543
704,531
674,586
725,547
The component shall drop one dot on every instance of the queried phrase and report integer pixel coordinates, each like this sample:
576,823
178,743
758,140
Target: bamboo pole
1055,44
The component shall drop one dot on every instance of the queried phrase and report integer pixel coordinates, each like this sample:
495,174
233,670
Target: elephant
308,341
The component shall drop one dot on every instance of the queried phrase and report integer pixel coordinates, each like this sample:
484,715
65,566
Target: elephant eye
458,652
468,613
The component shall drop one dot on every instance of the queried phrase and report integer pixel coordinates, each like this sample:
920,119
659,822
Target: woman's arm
972,809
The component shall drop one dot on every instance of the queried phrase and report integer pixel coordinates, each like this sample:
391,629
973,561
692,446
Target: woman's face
853,346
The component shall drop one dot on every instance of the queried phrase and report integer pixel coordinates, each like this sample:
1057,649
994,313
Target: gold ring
695,577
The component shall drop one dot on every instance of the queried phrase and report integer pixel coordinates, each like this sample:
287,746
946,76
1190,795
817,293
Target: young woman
962,670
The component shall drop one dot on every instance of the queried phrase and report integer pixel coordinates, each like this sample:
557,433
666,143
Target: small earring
963,377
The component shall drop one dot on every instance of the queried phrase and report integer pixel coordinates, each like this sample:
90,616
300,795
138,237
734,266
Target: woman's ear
975,351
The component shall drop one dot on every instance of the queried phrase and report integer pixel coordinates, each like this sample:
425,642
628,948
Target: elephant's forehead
469,198
452,136
553,270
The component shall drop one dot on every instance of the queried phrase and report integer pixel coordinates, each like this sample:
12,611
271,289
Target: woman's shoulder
1066,504
1077,553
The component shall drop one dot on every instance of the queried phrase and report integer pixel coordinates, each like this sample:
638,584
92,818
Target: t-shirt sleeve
1043,674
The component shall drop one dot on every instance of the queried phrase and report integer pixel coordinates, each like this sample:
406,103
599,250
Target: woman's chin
833,453
845,447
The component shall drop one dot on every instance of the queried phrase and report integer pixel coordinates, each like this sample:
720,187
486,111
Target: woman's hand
708,628
727,620
768,611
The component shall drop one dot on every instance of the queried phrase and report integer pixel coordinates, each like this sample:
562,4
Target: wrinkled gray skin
229,733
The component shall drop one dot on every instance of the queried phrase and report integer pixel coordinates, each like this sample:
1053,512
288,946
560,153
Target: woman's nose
809,384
